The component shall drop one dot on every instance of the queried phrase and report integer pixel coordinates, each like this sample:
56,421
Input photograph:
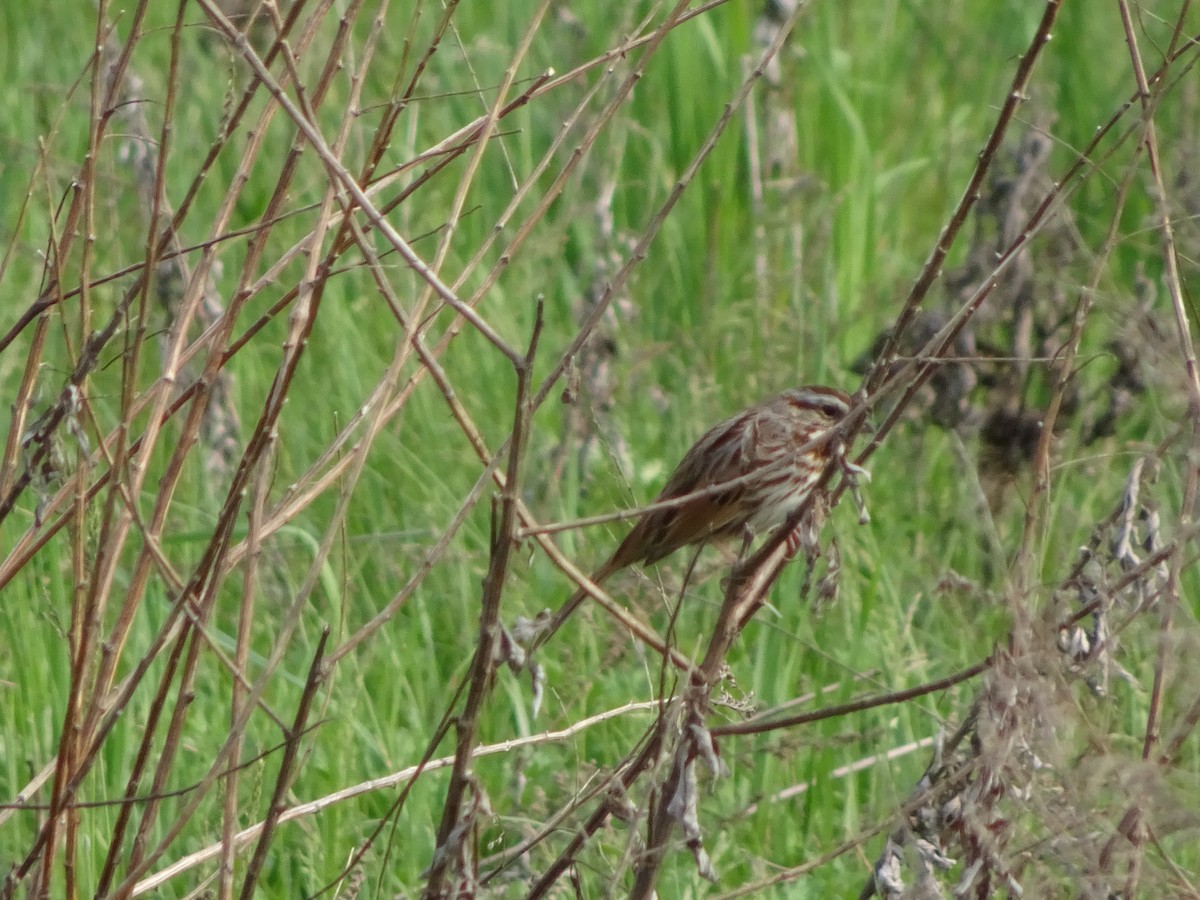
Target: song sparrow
745,475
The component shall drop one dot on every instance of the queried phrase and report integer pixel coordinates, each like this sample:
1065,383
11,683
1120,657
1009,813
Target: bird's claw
853,472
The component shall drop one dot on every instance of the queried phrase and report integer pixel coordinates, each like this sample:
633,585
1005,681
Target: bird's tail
564,612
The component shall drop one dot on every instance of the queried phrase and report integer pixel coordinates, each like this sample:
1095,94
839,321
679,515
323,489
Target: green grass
892,103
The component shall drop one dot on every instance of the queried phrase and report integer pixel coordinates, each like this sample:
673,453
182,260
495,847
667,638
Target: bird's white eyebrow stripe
826,401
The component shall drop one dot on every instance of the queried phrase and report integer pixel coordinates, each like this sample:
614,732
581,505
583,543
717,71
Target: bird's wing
721,455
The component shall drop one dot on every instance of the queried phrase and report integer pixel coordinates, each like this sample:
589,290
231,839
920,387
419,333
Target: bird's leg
747,540
852,472
795,540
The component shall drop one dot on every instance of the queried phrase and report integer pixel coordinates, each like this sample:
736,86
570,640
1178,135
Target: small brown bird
767,457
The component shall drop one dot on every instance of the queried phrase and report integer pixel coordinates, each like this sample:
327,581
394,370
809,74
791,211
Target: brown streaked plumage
763,450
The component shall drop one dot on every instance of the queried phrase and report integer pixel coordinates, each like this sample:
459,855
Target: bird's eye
832,407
